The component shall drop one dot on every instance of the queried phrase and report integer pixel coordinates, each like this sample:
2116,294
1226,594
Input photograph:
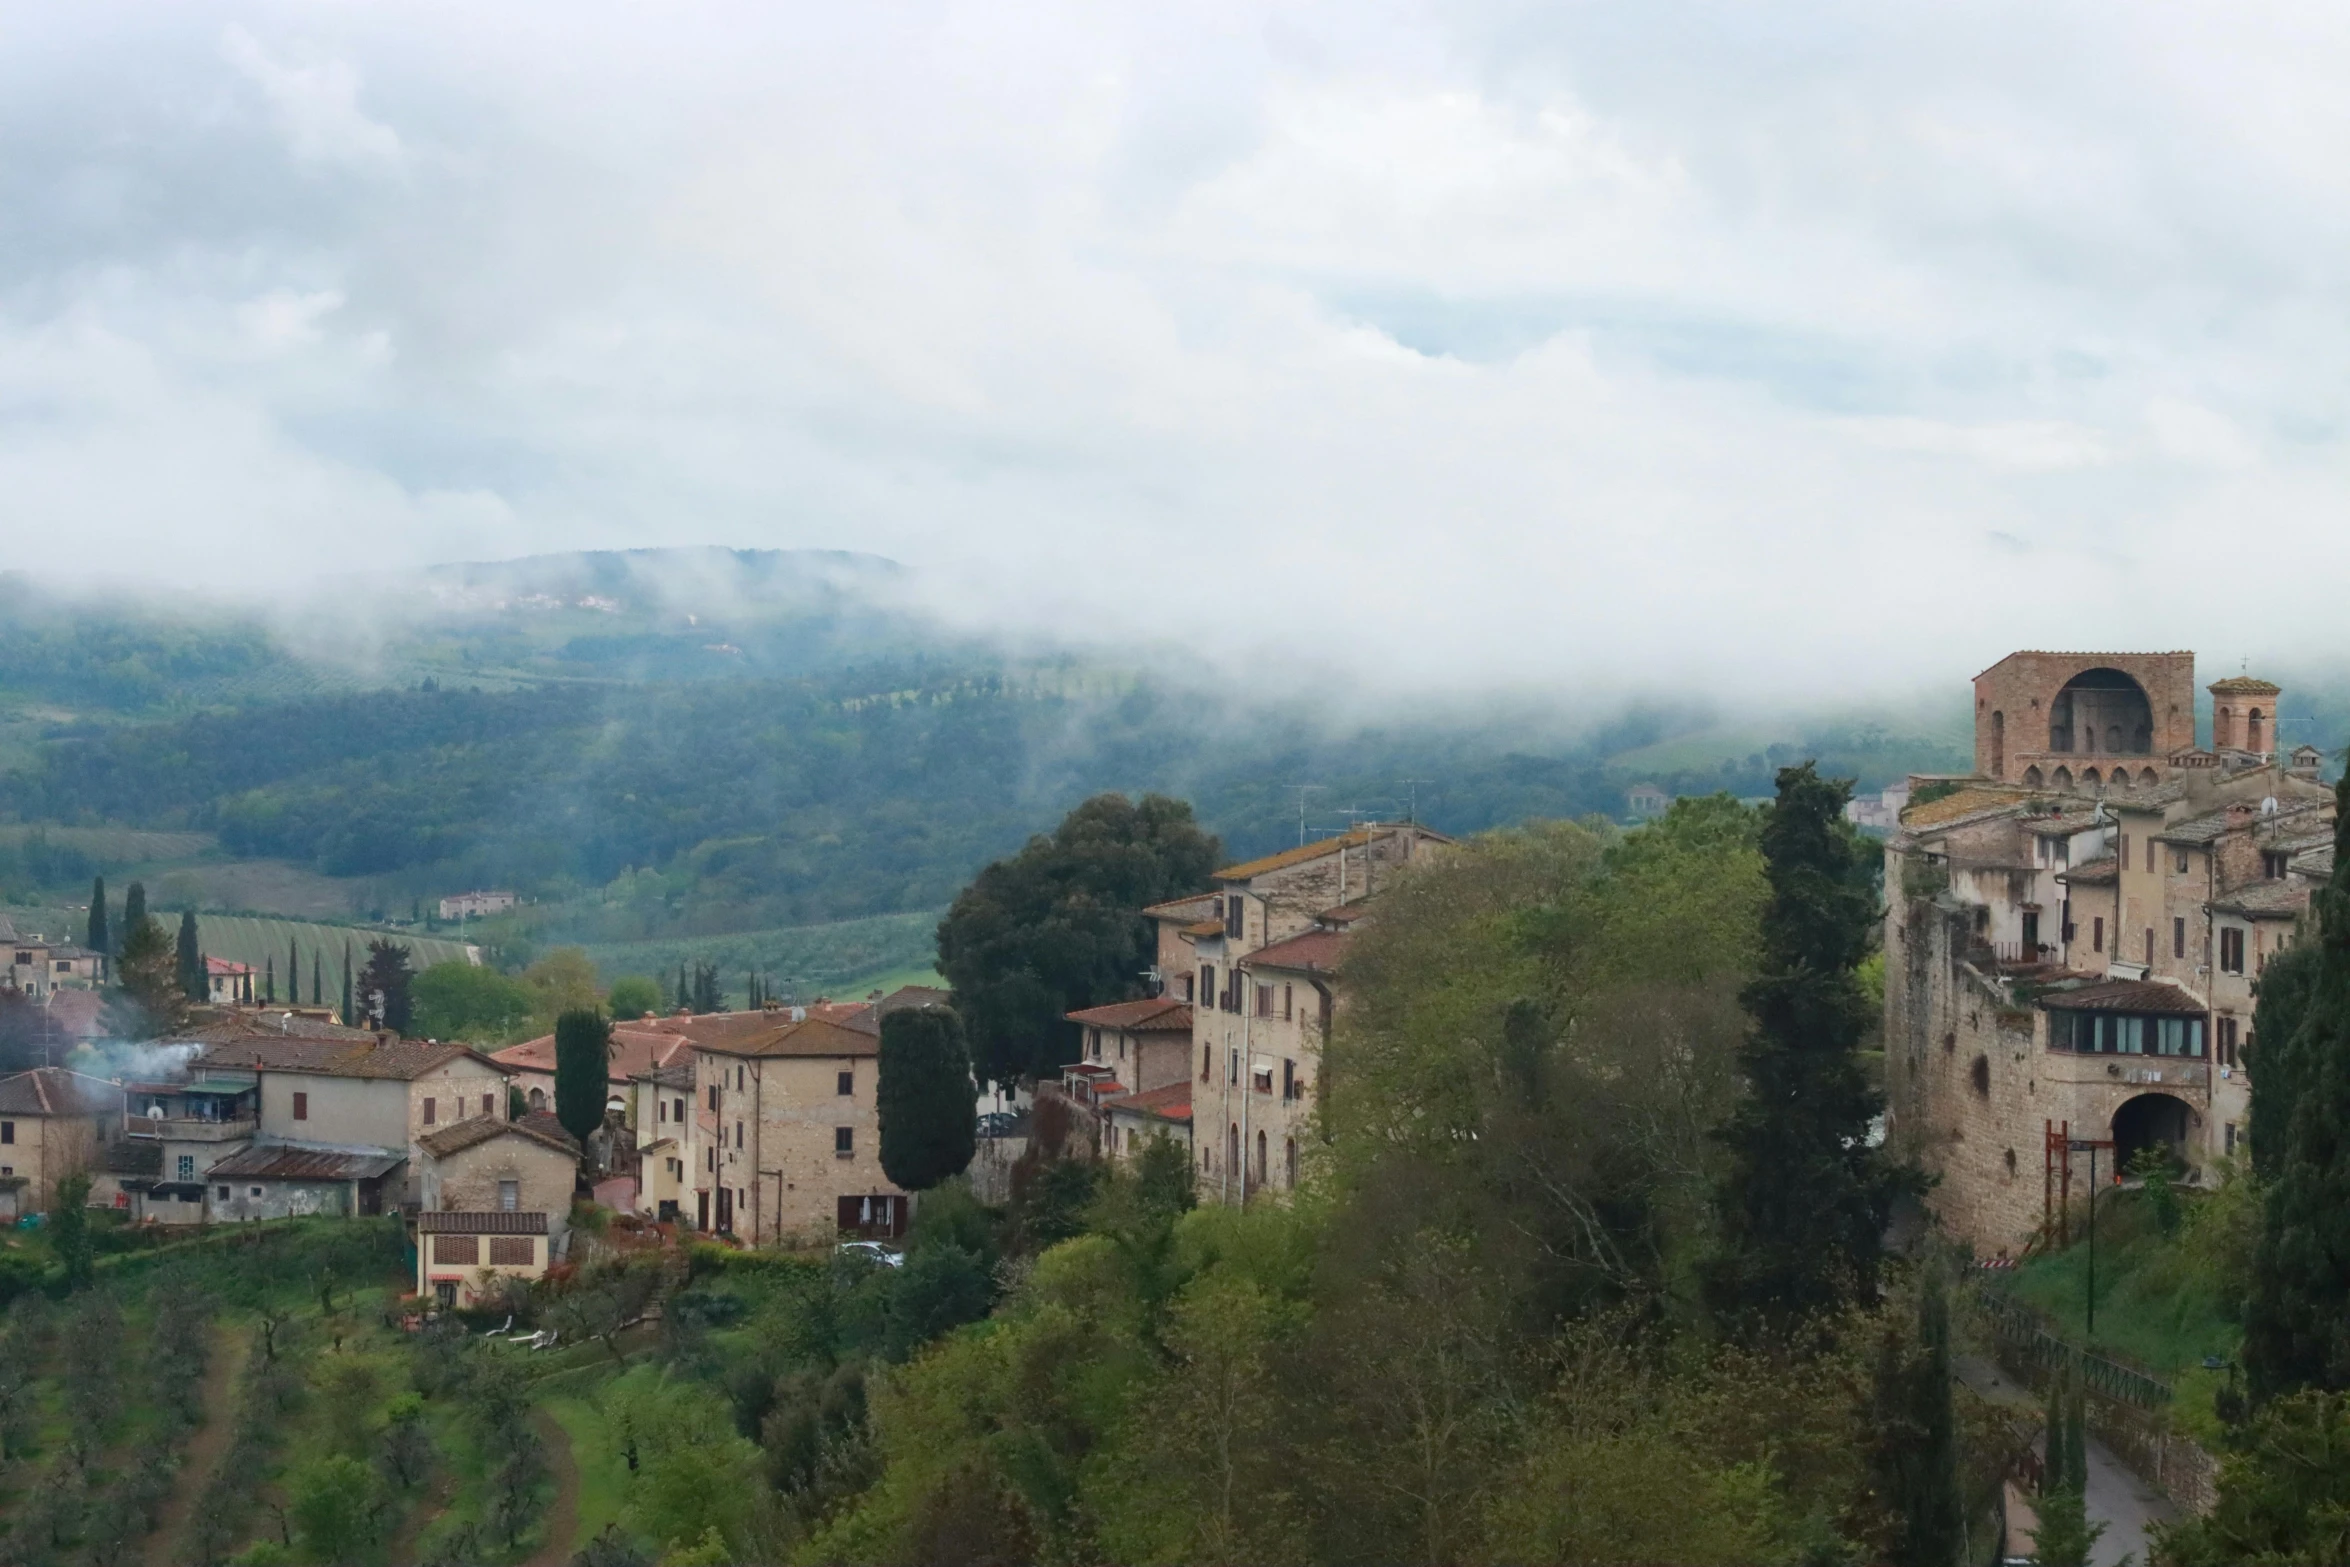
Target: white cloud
1605,343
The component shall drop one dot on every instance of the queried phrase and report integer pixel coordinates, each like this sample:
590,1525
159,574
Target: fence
2021,1335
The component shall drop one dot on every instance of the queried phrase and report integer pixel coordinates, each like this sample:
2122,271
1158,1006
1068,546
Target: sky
1588,347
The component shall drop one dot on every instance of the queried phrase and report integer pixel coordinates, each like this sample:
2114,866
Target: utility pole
2091,1145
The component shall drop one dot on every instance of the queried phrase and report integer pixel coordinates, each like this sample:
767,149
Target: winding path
563,1511
201,1458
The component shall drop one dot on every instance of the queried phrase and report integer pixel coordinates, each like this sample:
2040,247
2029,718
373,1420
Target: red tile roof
1171,1103
1313,952
811,1037
53,1090
538,1128
1158,1016
635,1051
292,1162
369,1056
496,1222
1353,838
2122,995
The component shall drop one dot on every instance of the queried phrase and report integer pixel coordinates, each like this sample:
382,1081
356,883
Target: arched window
2064,778
1289,1158
1999,745
538,1100
2032,778
2255,732
1260,1158
1232,1146
2089,778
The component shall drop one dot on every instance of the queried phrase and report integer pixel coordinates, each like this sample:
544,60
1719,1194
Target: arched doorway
2256,732
2064,778
2150,1120
2032,778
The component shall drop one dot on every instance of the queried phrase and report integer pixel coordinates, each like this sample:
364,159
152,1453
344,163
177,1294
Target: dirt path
202,1456
563,1511
401,1550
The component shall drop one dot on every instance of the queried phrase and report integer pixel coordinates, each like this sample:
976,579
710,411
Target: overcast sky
1849,345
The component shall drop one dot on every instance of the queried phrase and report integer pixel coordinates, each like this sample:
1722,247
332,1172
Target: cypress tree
685,997
293,972
1805,1199
350,1018
1917,1437
583,1070
269,989
95,935
2281,996
317,978
2065,1536
925,1098
134,908
2297,1319
191,957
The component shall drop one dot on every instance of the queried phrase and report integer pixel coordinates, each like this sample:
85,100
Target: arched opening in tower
2150,1121
2101,710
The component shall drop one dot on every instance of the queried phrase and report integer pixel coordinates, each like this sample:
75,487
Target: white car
874,1251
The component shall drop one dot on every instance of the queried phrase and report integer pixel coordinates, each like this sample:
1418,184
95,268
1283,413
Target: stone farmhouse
53,1123
2074,932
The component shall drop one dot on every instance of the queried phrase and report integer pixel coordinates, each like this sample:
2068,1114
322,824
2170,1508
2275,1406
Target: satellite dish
2268,807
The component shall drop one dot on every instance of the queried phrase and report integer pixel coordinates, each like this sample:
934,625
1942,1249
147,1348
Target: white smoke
141,1063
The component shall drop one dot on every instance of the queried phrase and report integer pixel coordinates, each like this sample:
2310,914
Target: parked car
878,1252
999,1123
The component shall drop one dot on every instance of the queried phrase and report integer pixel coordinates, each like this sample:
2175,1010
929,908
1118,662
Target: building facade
2073,938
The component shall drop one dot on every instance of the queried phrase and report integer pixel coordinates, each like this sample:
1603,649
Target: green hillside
802,962
238,938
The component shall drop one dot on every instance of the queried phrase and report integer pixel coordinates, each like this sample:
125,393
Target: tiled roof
1158,1016
388,1057
540,1128
2122,995
134,1156
680,1075
52,1090
2272,899
1344,914
2243,685
2062,825
1199,928
294,1162
809,1037
223,967
81,1013
2102,871
1976,799
2042,652
633,1052
496,1222
1171,1103
1353,838
2213,824
2318,863
1314,951
266,1023
1190,907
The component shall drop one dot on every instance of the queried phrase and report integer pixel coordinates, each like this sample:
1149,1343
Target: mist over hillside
658,745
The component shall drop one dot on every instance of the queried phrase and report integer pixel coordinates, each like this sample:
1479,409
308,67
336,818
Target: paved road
2114,1497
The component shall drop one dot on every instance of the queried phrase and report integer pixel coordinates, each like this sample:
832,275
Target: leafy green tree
190,958
94,932
334,1507
148,999
2284,1492
583,1071
925,1098
1916,1436
2274,1053
69,1230
387,983
2065,1537
2297,1319
1804,1203
632,996
460,1000
1056,927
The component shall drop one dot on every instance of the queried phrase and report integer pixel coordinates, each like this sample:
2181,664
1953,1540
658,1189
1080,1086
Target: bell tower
2244,715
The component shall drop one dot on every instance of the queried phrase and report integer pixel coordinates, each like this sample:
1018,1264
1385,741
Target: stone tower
2066,720
2244,715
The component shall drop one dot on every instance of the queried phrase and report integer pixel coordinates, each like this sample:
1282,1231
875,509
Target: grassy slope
802,961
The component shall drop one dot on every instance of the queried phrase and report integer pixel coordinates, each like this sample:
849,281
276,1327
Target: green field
113,845
242,938
800,961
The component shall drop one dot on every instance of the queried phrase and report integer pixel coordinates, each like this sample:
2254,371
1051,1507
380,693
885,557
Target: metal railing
2023,1331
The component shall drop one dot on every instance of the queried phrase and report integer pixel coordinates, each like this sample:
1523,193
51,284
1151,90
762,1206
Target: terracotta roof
1353,838
134,1156
2102,871
538,1128
496,1222
2062,825
1313,951
81,1013
1344,914
223,966
1968,801
1189,907
634,1051
293,1162
2318,863
1171,1103
2122,995
266,1023
2272,899
680,1075
810,1037
1158,1016
53,1090
1204,928
390,1057
2213,824
2243,685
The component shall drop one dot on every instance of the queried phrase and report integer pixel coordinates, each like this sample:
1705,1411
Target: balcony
188,1129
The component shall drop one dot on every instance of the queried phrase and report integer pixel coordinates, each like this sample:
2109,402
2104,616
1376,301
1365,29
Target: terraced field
800,961
113,845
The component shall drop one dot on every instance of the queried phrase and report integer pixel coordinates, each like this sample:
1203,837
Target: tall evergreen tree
134,908
685,997
2297,1319
1805,1200
2065,1537
2281,1005
384,985
350,1018
191,958
147,999
269,990
1916,1436
925,1098
583,1070
293,972
95,935
317,978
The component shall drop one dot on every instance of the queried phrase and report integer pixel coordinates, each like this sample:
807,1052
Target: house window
429,1109
738,1134
1207,1070
187,1167
2180,862
2150,946
2230,1144
713,1096
677,1111
1289,1160
509,1196
847,1084
2178,938
489,1104
1207,984
256,1191
1264,1001
302,1108
512,1251
2231,950
1188,993
1235,913
2150,854
661,1110
738,1079
7,1131
1234,1080
2227,1041
1093,1046
224,1194
456,1250
710,1158
538,1099
844,1142
1288,1002
2272,864
2097,934
1288,1078
2122,841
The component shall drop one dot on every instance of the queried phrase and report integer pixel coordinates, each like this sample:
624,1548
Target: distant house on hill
53,1123
1644,800
473,905
226,983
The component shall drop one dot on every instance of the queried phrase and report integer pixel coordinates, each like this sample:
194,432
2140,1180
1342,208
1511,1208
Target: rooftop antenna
1412,810
1302,790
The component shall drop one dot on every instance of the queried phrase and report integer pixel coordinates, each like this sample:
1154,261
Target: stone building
486,1165
2073,937
53,1123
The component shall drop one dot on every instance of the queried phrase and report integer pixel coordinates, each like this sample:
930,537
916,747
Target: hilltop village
2074,930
